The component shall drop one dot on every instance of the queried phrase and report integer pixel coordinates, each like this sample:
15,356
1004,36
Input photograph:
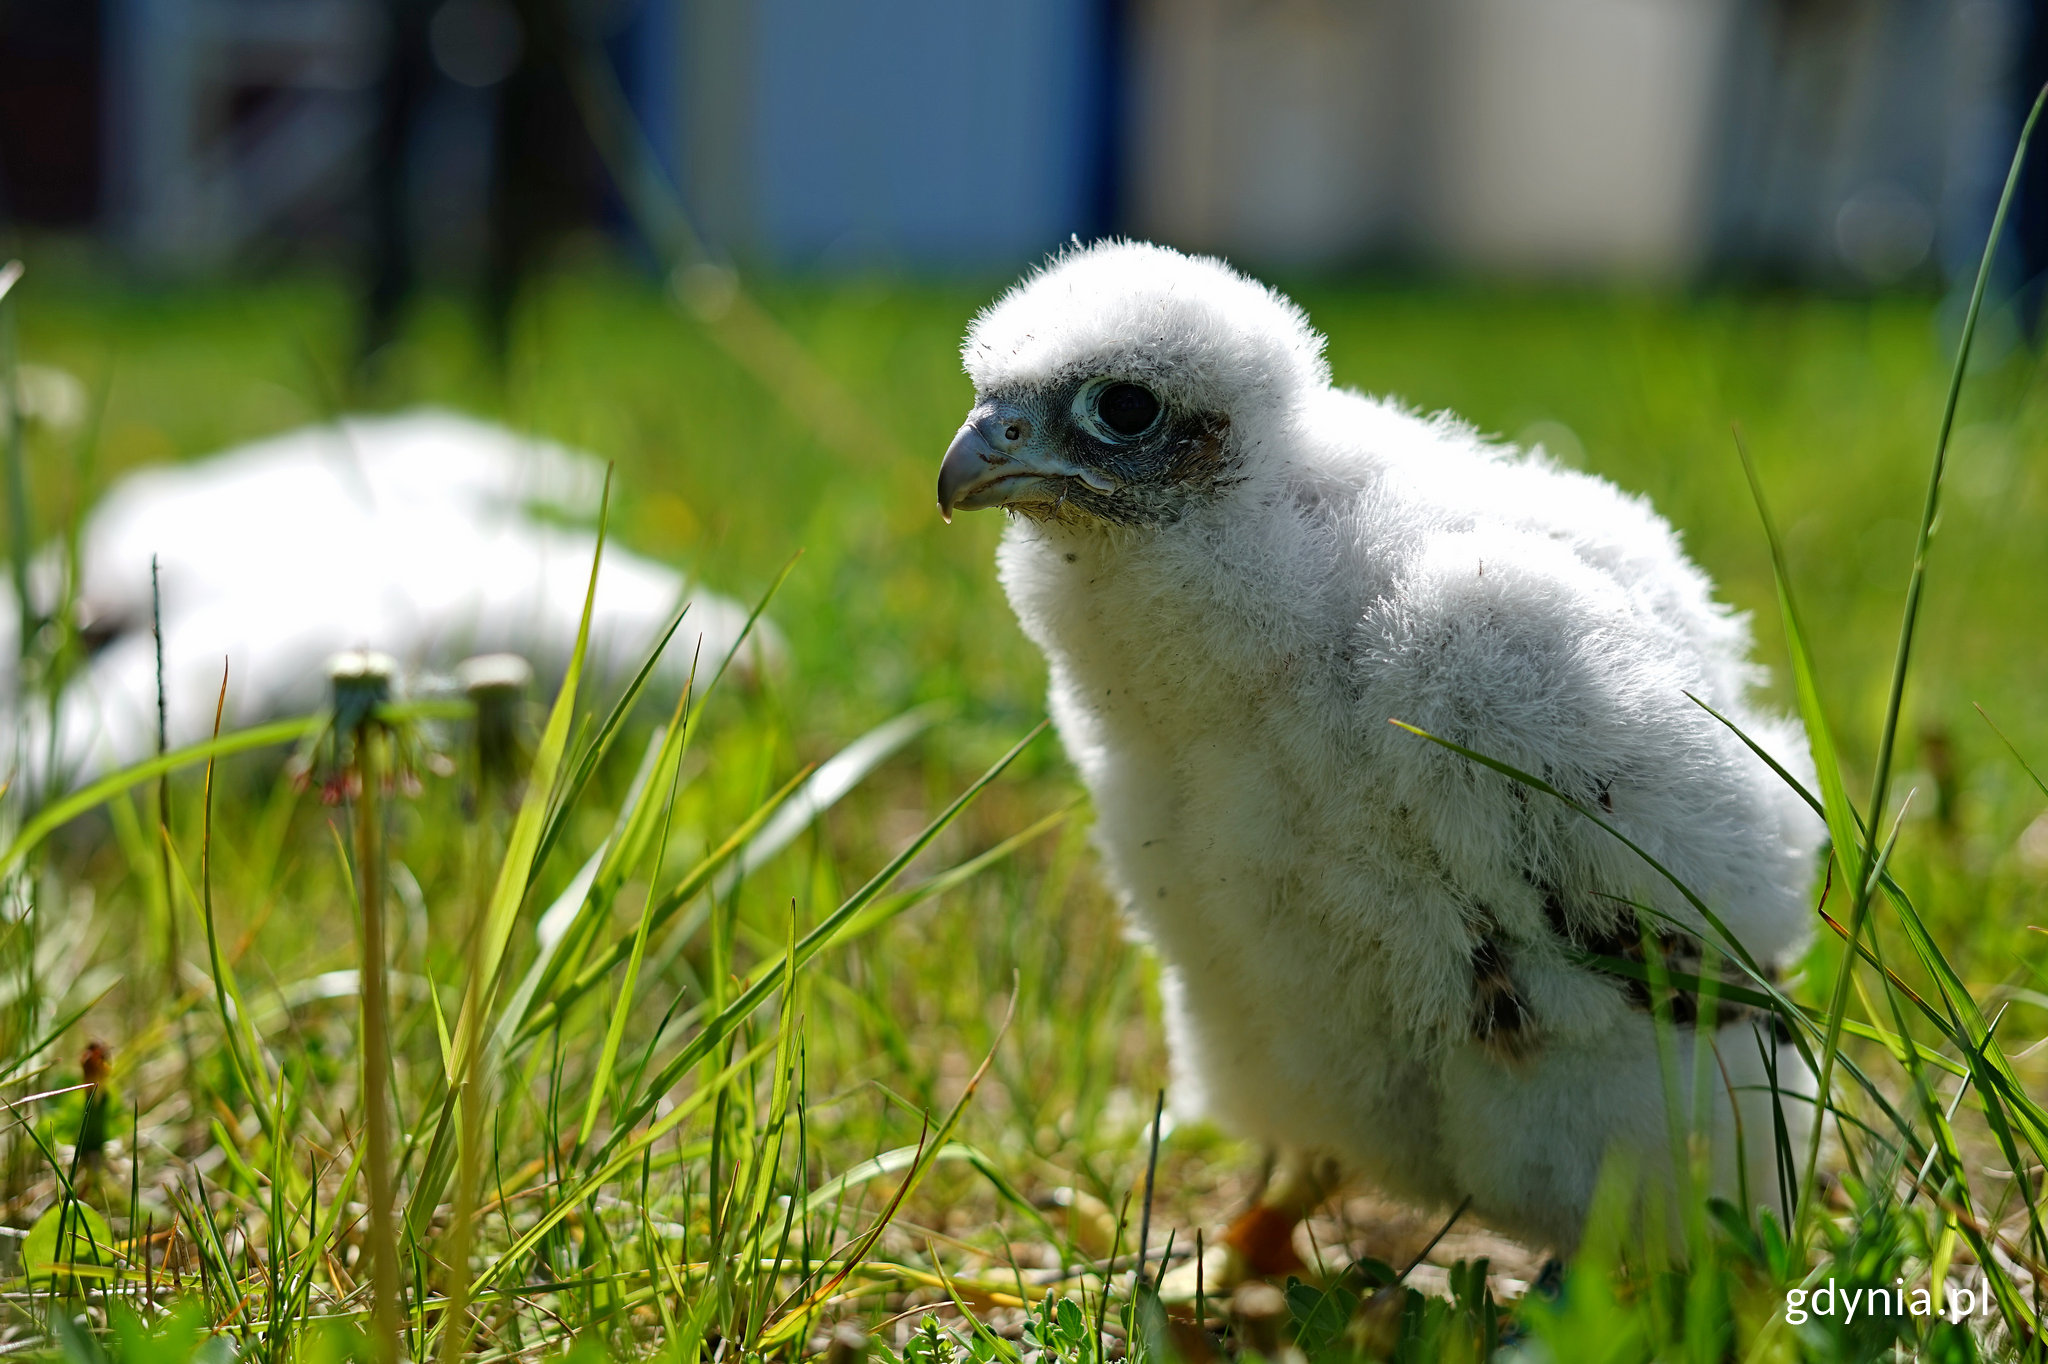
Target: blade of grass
889,906
1963,1017
516,871
1931,505
1915,585
562,931
593,753
607,1169
501,911
671,763
236,1018
2013,749
768,1158
543,1005
1846,831
822,936
832,781
793,1320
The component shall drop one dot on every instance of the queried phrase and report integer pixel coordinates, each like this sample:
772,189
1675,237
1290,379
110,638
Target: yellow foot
1265,1237
1258,1245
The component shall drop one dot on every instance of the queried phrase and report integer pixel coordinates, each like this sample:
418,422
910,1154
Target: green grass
810,1110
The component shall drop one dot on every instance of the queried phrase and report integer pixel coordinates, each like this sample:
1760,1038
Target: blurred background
731,245
1845,143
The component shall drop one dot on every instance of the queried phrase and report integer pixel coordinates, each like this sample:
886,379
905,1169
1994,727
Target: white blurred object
50,397
427,535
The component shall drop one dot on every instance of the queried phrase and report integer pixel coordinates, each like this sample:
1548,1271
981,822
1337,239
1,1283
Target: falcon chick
1374,949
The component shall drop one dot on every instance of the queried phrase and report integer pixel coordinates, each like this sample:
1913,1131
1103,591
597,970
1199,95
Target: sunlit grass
805,1110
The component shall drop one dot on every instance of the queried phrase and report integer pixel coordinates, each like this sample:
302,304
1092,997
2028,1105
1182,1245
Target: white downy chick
1374,947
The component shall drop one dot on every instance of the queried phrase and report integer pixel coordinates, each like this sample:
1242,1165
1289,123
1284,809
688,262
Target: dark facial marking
1159,459
1158,476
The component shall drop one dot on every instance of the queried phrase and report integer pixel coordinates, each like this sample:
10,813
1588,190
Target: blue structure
802,134
925,132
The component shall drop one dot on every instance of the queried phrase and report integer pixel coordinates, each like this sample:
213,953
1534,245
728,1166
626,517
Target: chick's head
1124,382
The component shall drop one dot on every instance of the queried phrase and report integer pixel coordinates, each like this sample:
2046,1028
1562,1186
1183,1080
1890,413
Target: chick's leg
1263,1236
1260,1243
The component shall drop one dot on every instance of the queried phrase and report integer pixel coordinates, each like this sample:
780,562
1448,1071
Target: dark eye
1127,409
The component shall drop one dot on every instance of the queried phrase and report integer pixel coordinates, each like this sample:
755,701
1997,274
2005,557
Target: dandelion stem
369,835
497,684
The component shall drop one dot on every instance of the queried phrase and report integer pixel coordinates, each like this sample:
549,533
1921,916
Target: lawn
811,421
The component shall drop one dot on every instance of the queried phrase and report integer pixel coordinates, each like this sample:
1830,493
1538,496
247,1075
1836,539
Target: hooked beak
995,461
